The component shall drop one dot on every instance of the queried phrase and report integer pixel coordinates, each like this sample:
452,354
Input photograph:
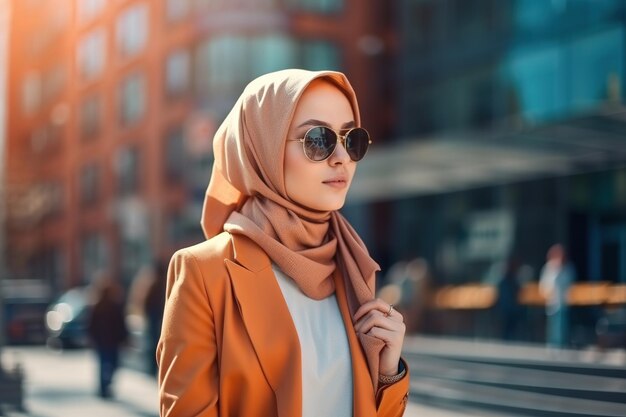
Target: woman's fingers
381,306
376,315
379,319
376,319
388,336
376,304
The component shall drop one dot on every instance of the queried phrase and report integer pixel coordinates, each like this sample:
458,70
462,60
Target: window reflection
94,255
132,99
89,9
89,184
326,6
127,169
91,54
132,30
174,155
226,63
90,117
177,72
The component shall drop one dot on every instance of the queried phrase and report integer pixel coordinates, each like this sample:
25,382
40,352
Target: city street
62,384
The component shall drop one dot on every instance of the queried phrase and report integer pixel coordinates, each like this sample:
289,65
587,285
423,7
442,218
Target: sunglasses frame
340,139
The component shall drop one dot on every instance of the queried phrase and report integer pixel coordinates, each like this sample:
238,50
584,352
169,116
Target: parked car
24,303
66,319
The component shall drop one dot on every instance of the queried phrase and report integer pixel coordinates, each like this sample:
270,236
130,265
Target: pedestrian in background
507,305
557,276
275,313
107,329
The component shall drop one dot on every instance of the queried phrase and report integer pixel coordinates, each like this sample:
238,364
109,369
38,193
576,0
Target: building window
593,59
319,55
177,76
89,9
538,83
532,16
90,117
470,20
174,155
31,93
228,62
91,54
55,198
175,228
181,227
132,30
222,63
177,10
421,24
48,264
242,5
89,184
94,256
132,99
324,6
270,53
127,170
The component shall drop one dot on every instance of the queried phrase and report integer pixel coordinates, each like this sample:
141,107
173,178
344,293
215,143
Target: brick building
111,107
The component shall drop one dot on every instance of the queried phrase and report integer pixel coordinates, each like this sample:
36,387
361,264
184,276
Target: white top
326,361
554,284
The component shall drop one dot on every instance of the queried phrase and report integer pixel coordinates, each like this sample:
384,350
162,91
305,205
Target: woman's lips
338,182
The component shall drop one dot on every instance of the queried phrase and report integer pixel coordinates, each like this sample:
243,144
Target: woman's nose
340,156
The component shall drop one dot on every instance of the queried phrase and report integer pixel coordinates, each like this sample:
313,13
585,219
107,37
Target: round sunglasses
320,142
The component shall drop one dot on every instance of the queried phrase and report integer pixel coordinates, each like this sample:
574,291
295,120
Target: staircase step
591,362
436,390
517,379
512,377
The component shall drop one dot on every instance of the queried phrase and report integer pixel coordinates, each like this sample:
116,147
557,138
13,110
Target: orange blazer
229,346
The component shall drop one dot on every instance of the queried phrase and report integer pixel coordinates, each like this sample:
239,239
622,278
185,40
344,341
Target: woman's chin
331,204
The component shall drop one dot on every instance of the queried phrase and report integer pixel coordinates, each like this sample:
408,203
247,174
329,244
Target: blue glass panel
593,61
538,81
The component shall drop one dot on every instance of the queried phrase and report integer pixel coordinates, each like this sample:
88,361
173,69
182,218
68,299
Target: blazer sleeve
391,399
187,353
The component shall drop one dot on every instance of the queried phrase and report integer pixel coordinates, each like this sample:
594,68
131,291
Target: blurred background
499,131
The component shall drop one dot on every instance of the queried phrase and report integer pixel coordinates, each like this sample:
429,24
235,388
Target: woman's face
319,185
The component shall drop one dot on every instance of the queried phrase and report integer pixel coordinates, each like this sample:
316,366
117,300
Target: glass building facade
467,64
488,81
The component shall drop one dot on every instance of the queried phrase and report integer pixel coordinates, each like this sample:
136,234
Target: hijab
246,195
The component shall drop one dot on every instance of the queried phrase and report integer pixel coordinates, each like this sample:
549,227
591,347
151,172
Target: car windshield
74,297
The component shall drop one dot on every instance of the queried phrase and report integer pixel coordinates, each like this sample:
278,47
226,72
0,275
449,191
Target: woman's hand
378,319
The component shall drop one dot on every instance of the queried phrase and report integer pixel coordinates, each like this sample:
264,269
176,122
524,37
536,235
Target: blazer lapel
268,323
364,402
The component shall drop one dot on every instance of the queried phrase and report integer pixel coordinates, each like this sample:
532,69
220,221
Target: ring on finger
388,313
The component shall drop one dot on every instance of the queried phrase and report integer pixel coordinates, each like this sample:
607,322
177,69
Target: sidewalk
63,384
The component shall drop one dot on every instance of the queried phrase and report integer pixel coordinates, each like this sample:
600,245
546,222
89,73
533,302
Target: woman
274,315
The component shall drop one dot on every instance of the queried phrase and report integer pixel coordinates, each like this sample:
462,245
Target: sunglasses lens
319,143
357,142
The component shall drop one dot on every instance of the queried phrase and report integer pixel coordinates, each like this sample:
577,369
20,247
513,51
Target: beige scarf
246,195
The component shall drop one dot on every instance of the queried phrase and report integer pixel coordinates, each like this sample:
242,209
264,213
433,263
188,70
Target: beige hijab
246,195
